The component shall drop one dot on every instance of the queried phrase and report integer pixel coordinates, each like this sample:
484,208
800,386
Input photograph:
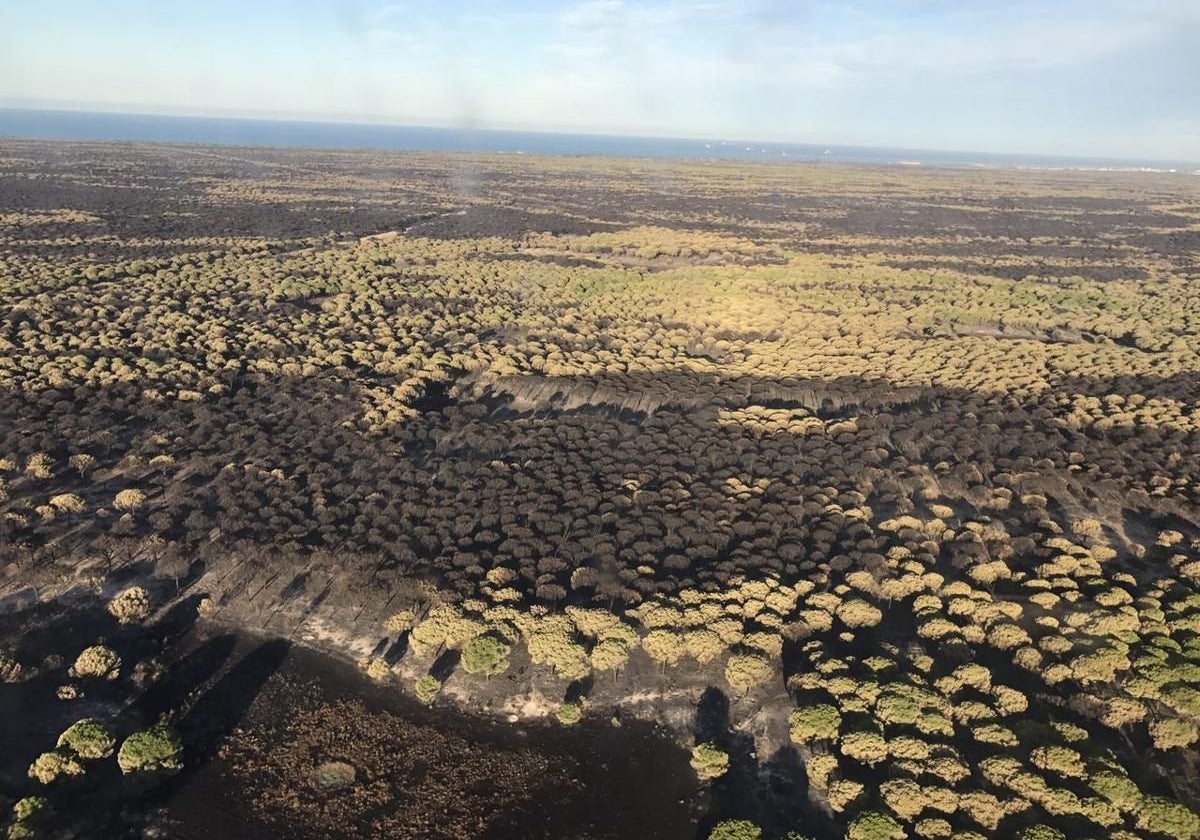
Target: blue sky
1099,77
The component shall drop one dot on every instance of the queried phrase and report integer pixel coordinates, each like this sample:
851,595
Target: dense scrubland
907,459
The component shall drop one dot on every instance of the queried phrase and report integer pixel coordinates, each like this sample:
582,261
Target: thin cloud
1015,74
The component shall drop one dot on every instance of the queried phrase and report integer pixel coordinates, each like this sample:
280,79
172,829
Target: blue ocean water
94,125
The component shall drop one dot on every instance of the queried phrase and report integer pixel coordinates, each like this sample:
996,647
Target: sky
1113,78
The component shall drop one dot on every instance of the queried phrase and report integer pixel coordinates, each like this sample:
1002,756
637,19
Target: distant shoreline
31,124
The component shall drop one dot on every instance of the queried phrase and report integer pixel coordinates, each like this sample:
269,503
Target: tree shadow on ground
712,717
220,709
178,620
445,665
395,651
579,689
130,573
771,793
185,677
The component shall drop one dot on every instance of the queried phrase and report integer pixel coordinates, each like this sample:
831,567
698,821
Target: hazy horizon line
377,121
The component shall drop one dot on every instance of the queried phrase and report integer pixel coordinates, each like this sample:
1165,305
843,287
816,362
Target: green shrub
88,739
609,655
487,654
819,721
709,761
569,714
50,766
735,830
1118,789
30,808
1163,816
376,667
868,747
1042,832
872,825
745,672
21,831
1170,733
157,749
427,689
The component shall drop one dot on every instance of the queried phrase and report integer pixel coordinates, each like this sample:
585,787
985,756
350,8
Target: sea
96,125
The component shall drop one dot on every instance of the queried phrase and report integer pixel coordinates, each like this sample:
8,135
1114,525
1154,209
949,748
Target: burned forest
876,490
